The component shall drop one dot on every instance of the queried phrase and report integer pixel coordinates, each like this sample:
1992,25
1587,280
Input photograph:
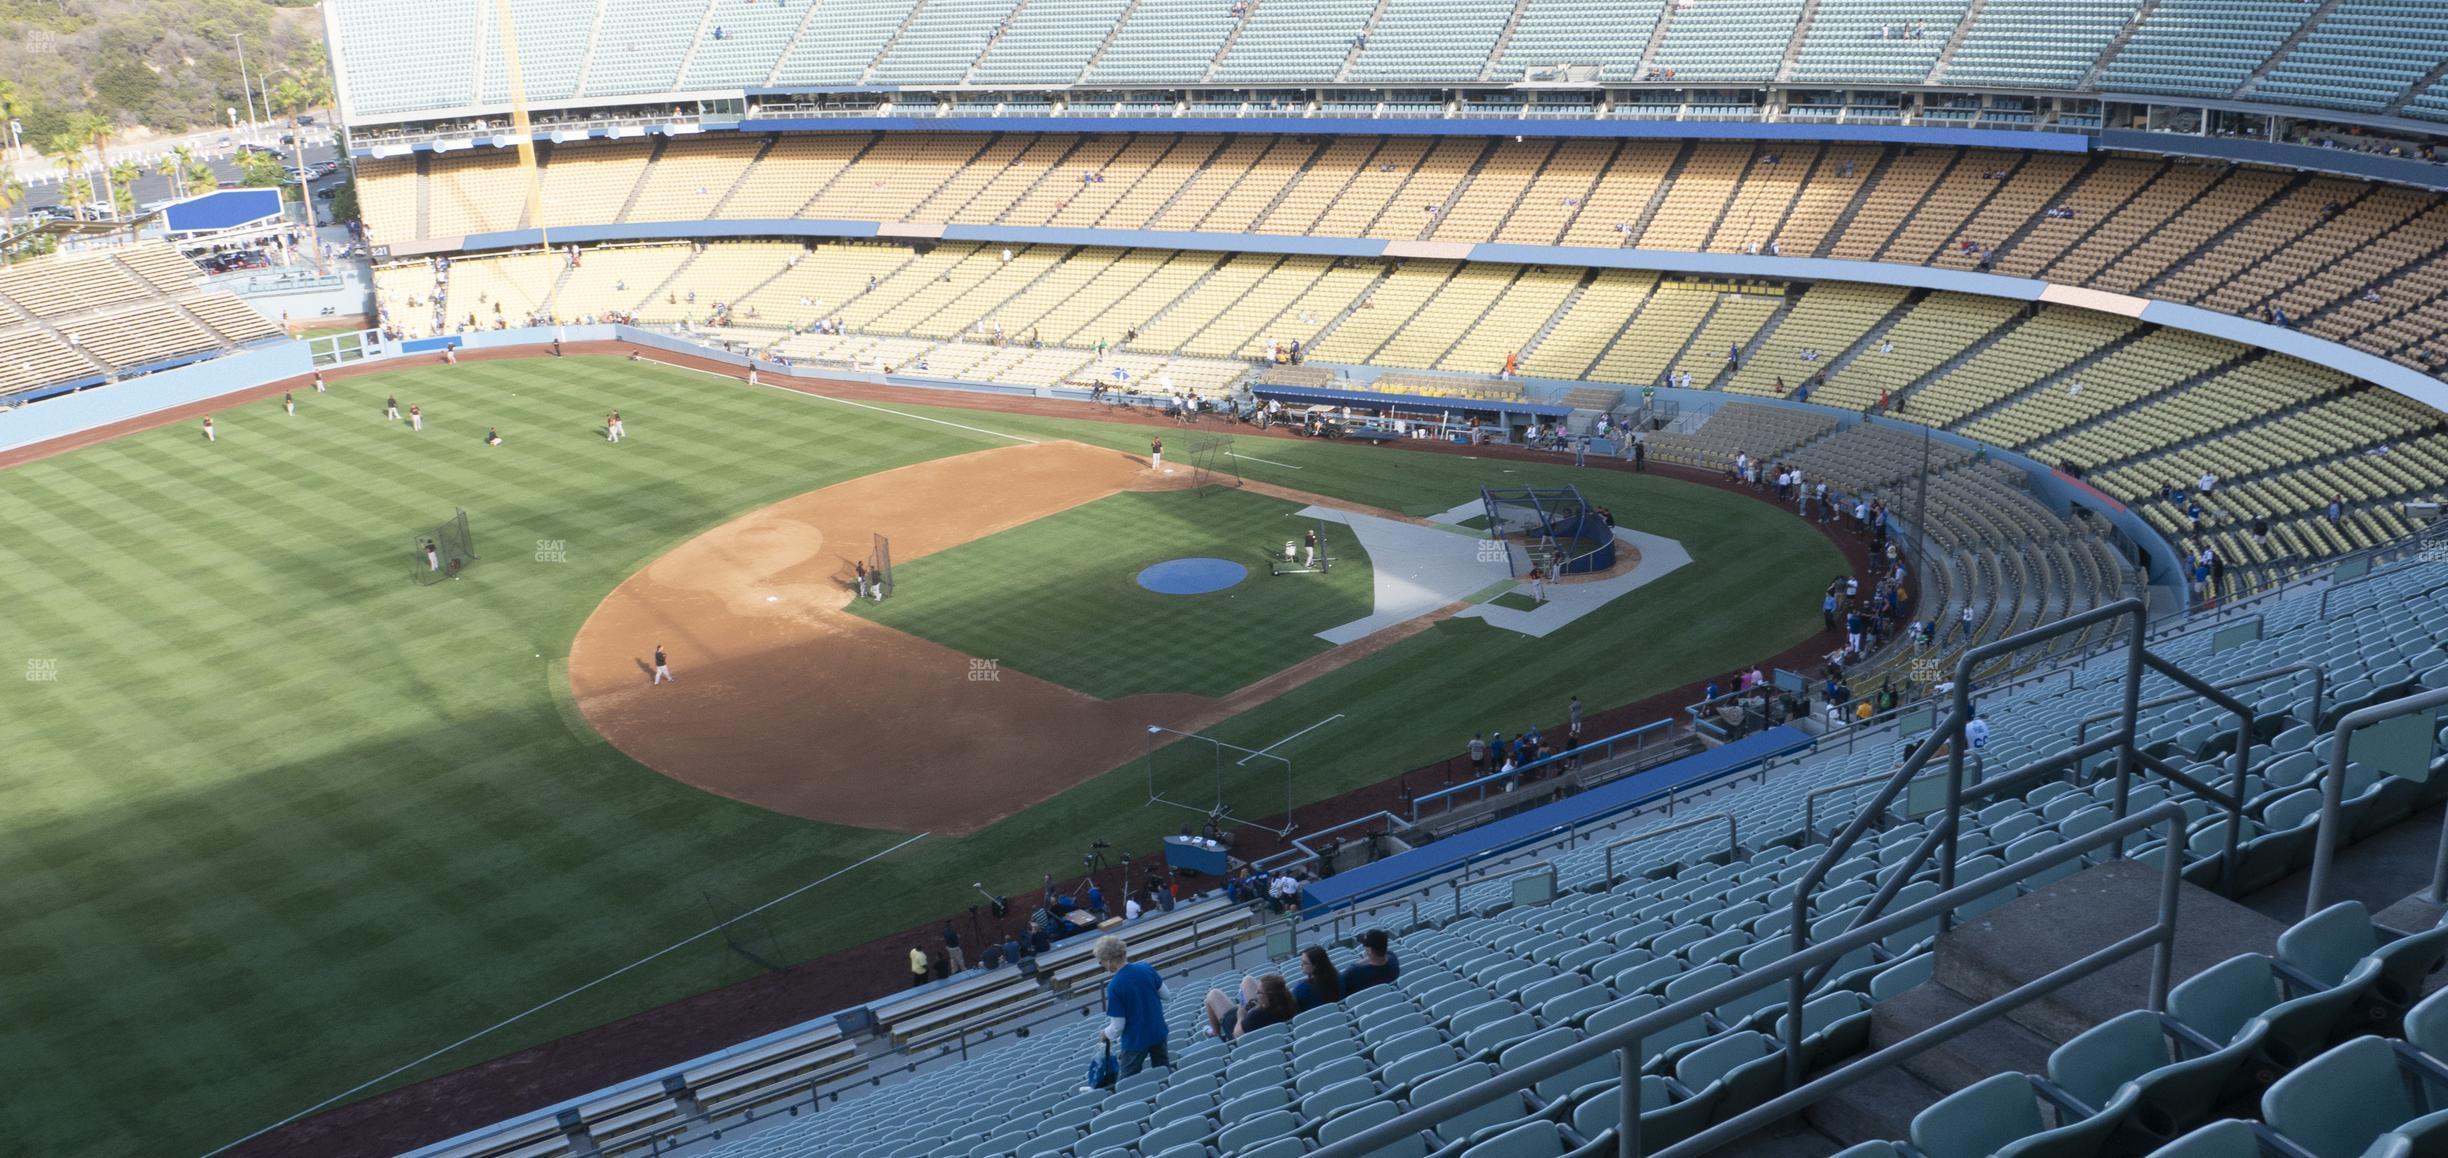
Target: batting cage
1235,785
443,552
1311,553
1213,463
879,569
1550,528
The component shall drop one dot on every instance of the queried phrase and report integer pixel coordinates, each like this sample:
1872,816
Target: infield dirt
786,701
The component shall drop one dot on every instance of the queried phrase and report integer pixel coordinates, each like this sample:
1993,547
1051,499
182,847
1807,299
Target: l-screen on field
280,820
1139,592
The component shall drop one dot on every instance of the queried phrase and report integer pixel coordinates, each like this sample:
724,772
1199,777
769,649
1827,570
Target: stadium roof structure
222,211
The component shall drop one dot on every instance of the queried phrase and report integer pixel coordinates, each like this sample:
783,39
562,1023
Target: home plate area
1421,568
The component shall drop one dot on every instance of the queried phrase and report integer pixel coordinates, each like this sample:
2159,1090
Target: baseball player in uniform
318,382
662,670
860,571
1309,548
289,403
433,557
390,409
612,426
416,418
208,429
1156,452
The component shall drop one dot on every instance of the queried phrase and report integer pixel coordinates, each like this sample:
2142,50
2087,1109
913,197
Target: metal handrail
1733,842
1482,783
2333,793
1950,734
1624,1041
1810,801
2320,692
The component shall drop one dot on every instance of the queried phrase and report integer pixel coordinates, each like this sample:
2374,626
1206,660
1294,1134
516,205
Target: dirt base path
781,692
779,687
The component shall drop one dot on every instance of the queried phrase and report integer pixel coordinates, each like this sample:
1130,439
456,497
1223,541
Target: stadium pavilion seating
86,317
1489,984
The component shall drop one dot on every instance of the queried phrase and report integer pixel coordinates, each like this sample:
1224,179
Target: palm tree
198,173
94,130
12,191
174,167
12,104
70,154
123,198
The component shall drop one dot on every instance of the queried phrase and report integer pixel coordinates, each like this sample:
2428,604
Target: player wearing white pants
416,418
662,665
208,431
1309,550
1156,453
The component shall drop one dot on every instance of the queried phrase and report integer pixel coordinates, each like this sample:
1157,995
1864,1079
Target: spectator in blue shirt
1319,983
1377,965
1134,1008
1096,901
1011,948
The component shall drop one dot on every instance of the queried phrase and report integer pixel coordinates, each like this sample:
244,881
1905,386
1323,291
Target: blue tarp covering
1420,863
227,209
1314,396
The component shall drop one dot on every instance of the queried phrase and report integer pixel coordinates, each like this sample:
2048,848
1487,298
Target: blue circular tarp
1192,576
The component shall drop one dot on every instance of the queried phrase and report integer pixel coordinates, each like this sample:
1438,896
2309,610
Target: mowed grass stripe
1088,623
404,841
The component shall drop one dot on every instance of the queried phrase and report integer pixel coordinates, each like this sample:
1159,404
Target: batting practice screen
879,566
1551,528
443,552
1202,774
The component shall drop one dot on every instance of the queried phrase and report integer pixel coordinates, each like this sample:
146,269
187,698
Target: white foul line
1288,739
1268,461
847,402
662,952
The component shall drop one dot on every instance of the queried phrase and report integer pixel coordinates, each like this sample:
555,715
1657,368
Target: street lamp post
314,244
245,84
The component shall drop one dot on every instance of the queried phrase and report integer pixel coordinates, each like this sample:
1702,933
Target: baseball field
280,820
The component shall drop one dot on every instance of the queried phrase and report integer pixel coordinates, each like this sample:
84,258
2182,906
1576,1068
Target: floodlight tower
521,129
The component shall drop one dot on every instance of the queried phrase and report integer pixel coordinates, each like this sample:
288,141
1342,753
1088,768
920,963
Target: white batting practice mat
1570,601
1420,569
1417,569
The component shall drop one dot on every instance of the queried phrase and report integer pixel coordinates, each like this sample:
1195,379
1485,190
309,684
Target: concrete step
1791,1138
1997,1048
2016,942
1879,1106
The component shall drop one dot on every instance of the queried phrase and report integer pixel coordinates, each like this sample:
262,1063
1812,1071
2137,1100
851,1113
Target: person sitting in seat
1319,983
1264,1001
1377,965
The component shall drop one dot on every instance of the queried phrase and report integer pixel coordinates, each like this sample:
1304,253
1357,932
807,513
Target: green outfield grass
1060,597
279,821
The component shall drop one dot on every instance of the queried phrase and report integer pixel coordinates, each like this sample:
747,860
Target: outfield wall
99,406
